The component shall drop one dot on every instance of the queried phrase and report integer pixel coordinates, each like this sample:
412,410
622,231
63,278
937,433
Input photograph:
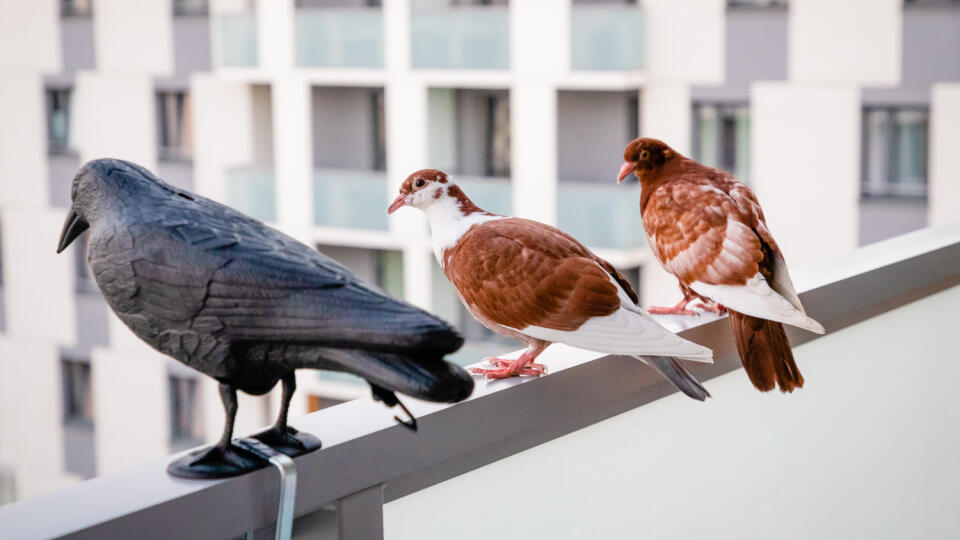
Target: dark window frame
77,391
893,186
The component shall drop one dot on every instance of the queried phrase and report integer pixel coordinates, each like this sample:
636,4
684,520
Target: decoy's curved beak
72,227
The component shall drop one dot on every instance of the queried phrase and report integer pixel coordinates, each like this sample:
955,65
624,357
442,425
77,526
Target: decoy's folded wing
251,283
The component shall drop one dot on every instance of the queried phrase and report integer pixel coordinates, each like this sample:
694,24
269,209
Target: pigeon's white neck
450,219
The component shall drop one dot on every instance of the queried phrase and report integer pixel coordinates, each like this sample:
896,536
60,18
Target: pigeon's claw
679,309
504,368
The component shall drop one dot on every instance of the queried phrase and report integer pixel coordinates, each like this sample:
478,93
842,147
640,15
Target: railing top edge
364,447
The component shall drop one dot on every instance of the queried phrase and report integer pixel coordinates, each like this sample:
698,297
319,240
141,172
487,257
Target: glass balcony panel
251,190
355,199
238,40
606,37
460,38
601,216
491,194
334,37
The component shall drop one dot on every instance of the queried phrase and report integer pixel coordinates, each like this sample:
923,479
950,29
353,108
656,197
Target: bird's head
644,156
103,184
421,189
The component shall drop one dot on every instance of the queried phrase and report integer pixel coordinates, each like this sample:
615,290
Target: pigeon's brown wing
236,277
700,234
518,273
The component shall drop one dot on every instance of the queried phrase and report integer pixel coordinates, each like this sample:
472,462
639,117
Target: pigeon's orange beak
625,170
397,203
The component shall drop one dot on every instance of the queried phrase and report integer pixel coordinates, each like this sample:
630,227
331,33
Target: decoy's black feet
215,462
291,442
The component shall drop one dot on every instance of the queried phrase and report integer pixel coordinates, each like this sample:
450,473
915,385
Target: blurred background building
844,116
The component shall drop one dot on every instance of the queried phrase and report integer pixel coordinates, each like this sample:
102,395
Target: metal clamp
288,482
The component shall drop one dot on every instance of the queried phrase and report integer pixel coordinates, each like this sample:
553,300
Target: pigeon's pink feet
679,309
714,307
502,363
504,368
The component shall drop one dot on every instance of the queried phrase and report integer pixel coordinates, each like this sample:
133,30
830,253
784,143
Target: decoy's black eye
644,154
420,182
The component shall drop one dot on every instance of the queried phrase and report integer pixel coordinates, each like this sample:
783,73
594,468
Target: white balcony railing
606,37
461,37
349,198
339,37
601,215
238,39
252,191
871,434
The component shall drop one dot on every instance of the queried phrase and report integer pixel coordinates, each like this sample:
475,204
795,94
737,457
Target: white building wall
115,117
944,165
685,40
23,141
812,464
30,36
134,37
853,41
805,149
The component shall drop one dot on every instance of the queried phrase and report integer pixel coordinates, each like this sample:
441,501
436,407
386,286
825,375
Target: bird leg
224,454
282,435
513,368
390,399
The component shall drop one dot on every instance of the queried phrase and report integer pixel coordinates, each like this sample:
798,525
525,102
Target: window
84,279
185,426
757,3
190,7
379,131
315,402
721,137
58,120
173,121
77,391
894,160
497,139
8,492
76,8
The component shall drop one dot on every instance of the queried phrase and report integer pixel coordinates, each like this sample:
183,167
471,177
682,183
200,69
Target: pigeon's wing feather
534,279
717,244
254,283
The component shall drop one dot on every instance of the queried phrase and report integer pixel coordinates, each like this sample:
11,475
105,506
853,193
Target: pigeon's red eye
420,182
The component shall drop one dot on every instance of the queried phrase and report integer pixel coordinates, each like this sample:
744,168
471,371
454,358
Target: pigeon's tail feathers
673,371
765,353
424,377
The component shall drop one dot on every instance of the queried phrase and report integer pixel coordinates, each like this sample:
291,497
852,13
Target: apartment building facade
308,114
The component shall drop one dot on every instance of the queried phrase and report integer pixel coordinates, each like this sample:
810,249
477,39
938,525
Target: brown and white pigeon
707,229
532,282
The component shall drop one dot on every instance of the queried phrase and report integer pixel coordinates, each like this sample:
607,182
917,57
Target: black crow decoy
247,305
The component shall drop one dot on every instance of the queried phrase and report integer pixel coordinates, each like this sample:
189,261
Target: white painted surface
38,283
805,148
685,40
665,114
115,117
944,164
30,35
533,149
23,141
131,397
222,131
853,41
857,453
293,154
134,37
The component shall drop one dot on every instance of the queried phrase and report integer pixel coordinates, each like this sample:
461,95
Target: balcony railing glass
238,40
355,199
491,194
333,37
606,37
461,38
601,215
251,190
